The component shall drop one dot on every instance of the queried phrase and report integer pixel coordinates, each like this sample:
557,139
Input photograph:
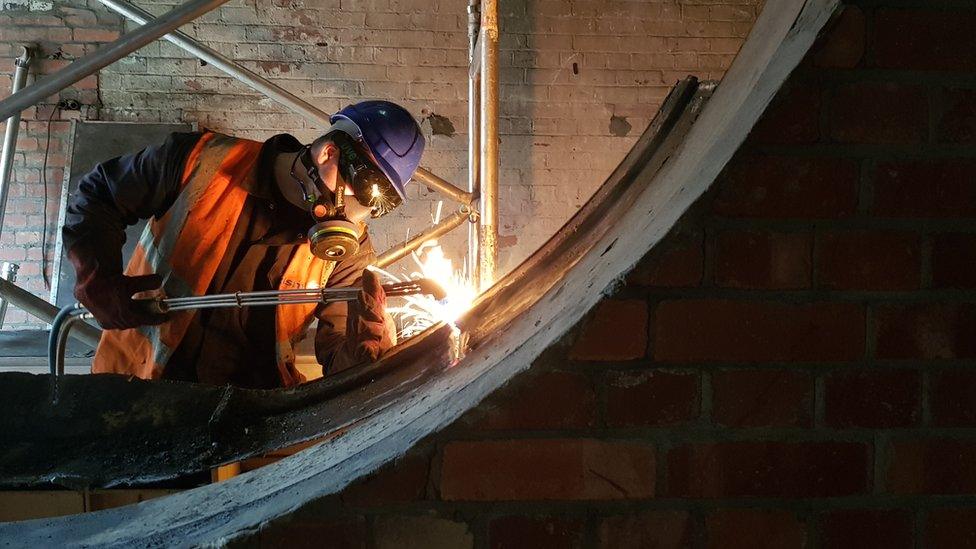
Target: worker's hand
107,293
366,334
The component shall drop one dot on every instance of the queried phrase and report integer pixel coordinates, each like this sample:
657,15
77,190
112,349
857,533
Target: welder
233,215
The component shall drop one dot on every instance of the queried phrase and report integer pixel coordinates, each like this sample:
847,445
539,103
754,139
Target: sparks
379,202
421,312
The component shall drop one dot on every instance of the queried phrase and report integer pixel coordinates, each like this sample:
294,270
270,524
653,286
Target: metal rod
264,293
255,303
403,249
444,187
474,134
22,67
106,55
8,272
33,305
269,88
302,295
489,143
65,318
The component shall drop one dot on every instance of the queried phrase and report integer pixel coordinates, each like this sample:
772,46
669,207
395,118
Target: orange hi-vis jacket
185,247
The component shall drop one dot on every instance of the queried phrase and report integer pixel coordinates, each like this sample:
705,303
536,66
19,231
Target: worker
234,215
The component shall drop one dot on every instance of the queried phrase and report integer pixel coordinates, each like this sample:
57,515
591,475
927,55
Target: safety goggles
368,184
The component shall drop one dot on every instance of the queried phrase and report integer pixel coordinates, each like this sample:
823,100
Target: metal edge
62,215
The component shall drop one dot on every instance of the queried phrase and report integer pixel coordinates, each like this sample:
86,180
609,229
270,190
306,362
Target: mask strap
305,155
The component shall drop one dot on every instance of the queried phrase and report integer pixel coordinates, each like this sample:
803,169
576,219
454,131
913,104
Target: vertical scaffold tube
489,143
474,134
21,67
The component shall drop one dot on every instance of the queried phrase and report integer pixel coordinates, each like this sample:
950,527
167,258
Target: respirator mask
334,237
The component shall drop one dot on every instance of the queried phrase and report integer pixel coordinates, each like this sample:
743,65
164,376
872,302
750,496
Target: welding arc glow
379,202
420,312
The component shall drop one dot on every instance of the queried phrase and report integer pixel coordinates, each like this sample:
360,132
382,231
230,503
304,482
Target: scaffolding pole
105,56
488,239
474,133
21,68
403,249
269,88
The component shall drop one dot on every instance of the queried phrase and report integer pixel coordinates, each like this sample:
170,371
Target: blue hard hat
391,135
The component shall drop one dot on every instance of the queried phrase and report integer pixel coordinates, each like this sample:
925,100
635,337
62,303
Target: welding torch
71,314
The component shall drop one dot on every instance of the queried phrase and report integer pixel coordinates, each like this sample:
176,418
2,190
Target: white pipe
22,67
474,134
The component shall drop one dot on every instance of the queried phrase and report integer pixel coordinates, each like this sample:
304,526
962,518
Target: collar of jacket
264,185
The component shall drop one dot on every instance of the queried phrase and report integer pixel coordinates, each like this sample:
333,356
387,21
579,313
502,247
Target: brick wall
579,81
790,368
62,31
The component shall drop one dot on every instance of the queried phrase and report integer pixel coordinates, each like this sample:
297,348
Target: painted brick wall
792,367
580,80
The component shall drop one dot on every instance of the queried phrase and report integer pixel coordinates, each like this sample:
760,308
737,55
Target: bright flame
379,202
460,292
420,312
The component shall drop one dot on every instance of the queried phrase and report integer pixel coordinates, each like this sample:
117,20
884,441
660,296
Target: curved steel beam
521,316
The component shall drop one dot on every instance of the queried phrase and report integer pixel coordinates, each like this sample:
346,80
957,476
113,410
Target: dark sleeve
120,191
330,335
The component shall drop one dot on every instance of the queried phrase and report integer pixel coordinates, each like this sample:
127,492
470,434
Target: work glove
107,293
367,336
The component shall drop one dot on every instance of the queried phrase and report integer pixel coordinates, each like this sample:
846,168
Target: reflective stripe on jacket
185,247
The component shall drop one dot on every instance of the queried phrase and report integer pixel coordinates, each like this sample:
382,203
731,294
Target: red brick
768,469
867,529
73,17
616,331
927,331
657,529
341,533
762,398
87,83
760,259
953,258
401,481
10,253
953,398
869,260
28,144
410,530
951,528
932,466
793,117
651,398
743,331
877,398
678,263
535,532
925,39
879,112
24,33
95,35
938,188
957,121
754,529
552,400
843,46
547,469
784,187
